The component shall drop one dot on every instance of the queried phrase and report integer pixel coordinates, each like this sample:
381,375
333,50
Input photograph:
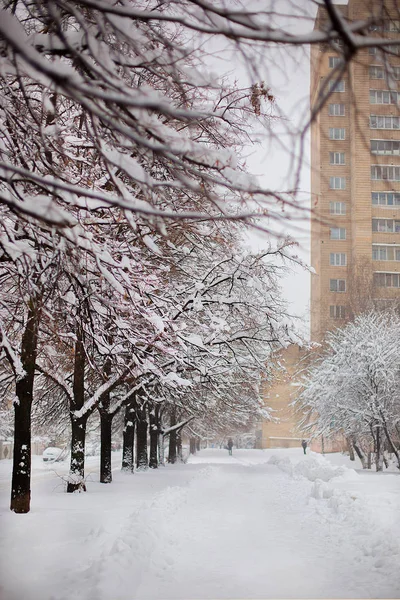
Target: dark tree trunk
369,462
161,452
392,447
128,439
379,450
192,445
141,440
105,427
360,453
351,449
172,450
154,427
21,475
385,460
78,424
76,481
198,448
172,439
179,445
105,446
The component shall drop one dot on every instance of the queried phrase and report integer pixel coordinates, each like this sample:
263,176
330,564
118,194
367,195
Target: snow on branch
12,355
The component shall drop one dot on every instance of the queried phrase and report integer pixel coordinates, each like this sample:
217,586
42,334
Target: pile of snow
312,467
353,510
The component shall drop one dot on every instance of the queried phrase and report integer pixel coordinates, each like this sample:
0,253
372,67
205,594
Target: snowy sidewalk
219,527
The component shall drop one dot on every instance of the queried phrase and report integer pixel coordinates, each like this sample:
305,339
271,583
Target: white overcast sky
286,71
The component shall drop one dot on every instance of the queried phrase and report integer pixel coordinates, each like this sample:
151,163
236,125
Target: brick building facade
355,160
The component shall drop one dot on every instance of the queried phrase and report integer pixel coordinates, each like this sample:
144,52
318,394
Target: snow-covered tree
353,388
115,104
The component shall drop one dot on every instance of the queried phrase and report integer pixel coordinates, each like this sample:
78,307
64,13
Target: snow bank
353,511
312,467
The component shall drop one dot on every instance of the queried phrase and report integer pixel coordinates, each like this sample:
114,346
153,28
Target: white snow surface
258,524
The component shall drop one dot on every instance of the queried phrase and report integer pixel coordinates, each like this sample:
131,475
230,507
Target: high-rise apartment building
355,159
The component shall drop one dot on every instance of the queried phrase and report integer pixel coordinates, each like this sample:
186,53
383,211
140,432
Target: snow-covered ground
259,524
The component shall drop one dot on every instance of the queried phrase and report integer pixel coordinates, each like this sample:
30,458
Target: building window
385,198
337,312
388,72
383,97
337,208
337,110
391,147
387,280
386,172
334,61
337,183
337,285
390,49
382,122
385,225
338,259
336,86
336,158
394,72
337,133
385,253
337,233
376,72
379,253
391,25
386,25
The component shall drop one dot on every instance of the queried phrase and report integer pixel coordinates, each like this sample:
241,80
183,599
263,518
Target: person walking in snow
230,446
304,444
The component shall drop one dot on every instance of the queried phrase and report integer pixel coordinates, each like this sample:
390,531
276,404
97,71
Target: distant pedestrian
304,444
230,446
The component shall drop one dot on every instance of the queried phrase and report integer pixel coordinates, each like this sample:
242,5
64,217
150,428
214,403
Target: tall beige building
355,154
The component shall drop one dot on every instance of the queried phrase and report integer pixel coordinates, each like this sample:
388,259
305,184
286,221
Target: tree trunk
392,447
141,440
161,453
105,426
360,454
21,475
78,425
76,481
105,446
192,445
128,443
172,439
198,447
153,462
179,452
379,450
369,460
351,449
385,459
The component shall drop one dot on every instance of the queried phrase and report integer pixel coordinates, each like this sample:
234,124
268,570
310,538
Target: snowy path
216,528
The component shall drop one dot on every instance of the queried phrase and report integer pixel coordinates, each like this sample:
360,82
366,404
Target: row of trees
125,285
353,389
